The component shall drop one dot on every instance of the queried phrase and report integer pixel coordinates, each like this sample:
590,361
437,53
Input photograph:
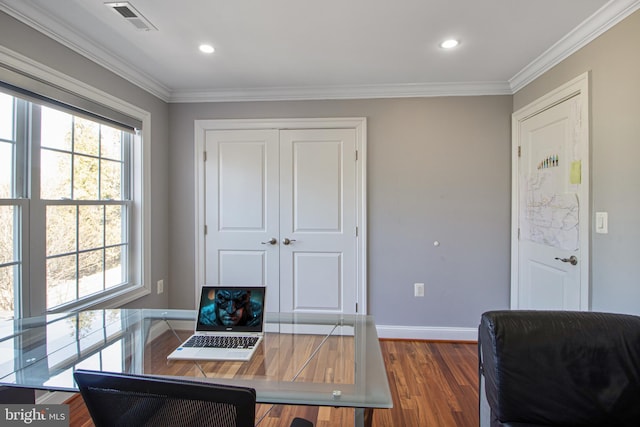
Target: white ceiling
325,49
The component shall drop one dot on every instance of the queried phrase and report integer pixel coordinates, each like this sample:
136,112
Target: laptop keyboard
221,342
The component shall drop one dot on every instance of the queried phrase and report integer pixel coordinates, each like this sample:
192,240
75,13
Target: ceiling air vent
135,18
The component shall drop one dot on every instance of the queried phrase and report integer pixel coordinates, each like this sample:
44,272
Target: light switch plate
602,222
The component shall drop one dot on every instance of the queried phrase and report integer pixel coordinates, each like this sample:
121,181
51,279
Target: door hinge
356,307
206,230
518,233
356,155
519,151
356,231
205,156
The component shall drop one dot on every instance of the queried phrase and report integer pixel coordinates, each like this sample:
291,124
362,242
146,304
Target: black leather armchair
558,368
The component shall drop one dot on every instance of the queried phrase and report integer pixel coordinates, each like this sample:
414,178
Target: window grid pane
7,145
61,229
8,234
7,117
115,273
86,136
57,128
10,259
61,280
6,169
85,178
91,227
90,273
7,291
55,175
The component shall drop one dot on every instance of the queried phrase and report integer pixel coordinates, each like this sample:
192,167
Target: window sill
112,300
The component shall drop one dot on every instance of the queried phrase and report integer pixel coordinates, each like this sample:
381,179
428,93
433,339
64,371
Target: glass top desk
304,359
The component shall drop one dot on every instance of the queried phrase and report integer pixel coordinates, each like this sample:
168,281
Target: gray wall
613,60
24,40
438,169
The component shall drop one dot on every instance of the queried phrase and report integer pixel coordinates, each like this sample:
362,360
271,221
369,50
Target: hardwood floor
433,384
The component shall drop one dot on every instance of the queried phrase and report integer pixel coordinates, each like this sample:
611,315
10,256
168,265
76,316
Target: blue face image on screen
231,308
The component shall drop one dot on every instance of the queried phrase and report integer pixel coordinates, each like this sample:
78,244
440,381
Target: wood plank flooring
433,384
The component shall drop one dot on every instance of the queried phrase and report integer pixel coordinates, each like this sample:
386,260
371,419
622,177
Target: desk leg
363,417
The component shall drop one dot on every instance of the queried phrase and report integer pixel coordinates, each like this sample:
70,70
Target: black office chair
135,400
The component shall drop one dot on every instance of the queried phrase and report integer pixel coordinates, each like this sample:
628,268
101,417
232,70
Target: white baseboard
435,333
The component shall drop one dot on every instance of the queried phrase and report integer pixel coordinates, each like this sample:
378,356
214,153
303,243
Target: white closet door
281,211
318,220
241,210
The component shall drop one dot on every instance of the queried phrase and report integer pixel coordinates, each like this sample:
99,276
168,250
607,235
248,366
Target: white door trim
357,123
577,86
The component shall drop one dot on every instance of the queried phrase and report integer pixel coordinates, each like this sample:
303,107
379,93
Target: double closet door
281,212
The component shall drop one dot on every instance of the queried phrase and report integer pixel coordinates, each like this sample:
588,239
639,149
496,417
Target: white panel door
241,210
550,181
281,210
318,220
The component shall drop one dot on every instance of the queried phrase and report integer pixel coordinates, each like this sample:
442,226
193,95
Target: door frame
577,86
359,124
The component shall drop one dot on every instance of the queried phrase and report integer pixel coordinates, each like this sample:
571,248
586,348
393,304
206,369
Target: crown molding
602,20
606,17
412,90
37,19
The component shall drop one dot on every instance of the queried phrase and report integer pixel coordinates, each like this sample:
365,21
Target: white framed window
85,170
73,186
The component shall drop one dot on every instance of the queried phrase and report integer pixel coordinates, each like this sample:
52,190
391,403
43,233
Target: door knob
287,241
271,241
571,260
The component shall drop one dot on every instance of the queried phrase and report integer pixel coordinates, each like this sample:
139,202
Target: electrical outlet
160,286
418,289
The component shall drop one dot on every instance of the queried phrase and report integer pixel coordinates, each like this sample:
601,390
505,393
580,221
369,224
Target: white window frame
140,264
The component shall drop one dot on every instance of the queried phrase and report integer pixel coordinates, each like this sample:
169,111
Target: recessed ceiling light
206,48
449,44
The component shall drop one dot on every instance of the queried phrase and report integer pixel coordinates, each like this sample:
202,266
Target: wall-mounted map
547,217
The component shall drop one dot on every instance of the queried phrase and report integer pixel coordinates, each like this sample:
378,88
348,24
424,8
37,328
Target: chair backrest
561,368
135,400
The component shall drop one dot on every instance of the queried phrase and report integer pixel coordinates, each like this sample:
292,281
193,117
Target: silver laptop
229,326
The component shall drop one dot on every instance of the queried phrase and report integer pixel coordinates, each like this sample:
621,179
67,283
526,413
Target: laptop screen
231,308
